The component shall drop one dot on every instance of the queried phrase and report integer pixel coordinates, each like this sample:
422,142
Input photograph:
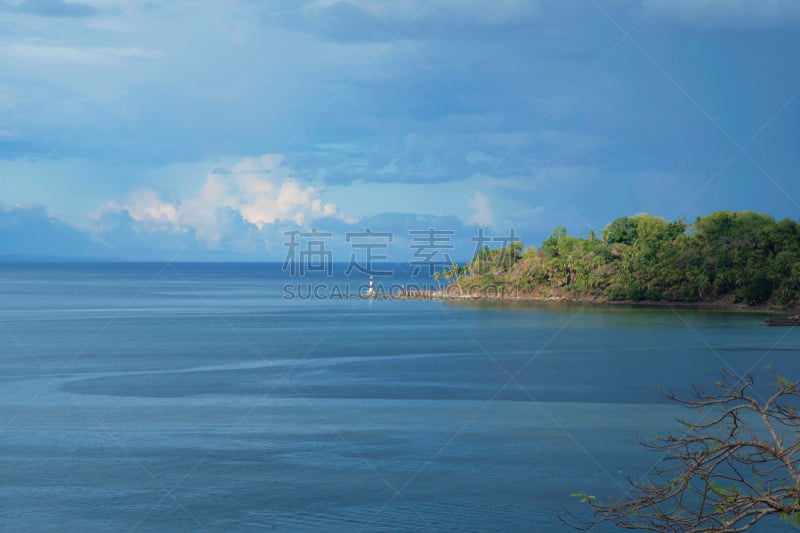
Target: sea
241,397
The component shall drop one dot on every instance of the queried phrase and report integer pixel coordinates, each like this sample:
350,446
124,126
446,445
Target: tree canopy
732,257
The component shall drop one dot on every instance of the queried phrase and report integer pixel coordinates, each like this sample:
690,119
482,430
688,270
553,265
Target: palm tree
454,271
446,274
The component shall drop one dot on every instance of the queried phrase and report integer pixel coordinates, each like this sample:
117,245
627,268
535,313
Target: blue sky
195,130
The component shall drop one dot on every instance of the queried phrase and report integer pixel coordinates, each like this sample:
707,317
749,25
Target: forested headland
726,257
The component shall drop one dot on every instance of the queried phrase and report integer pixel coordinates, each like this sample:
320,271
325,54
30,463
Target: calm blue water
202,397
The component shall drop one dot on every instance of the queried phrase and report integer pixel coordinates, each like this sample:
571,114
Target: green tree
623,230
549,247
739,257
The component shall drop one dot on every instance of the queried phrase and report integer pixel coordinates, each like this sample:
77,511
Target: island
733,259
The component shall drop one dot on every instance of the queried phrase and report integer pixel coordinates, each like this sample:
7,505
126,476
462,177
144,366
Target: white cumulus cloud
482,214
260,190
146,205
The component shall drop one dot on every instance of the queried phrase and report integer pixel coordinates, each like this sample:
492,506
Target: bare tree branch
724,473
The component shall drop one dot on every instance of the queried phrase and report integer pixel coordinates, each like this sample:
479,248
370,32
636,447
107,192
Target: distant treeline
724,257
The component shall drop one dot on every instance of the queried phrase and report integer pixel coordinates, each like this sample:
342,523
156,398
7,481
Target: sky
187,130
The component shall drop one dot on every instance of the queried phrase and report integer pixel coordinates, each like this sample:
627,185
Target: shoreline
448,295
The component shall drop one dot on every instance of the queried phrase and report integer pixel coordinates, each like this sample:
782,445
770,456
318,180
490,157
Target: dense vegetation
725,257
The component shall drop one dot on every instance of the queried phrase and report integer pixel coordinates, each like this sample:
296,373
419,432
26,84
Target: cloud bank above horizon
146,129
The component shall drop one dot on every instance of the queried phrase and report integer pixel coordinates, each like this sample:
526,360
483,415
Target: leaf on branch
584,497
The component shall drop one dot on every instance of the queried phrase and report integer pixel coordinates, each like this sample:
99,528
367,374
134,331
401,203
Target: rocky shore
455,293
